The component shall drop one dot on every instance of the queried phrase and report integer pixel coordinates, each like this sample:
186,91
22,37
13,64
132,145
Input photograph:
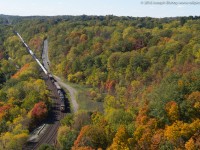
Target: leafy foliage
145,71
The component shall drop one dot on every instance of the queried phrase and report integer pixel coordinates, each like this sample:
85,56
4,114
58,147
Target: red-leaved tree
39,111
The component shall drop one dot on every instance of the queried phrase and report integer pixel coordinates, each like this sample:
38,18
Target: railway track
59,104
52,123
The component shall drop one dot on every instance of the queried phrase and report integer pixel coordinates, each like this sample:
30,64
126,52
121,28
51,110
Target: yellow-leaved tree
120,140
172,111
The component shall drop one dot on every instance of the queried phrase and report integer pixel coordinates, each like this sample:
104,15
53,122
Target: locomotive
60,91
61,94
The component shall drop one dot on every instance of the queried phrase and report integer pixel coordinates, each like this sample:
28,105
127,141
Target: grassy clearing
83,99
86,103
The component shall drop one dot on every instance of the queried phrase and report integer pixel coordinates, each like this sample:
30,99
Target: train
60,91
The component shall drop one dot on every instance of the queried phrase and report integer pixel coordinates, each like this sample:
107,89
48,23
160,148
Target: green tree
66,137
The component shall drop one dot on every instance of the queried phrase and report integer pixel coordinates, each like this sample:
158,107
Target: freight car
61,96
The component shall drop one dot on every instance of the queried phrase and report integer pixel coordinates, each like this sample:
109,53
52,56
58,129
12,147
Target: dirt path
71,90
45,56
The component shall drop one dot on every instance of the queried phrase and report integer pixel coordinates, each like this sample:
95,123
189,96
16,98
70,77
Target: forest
145,72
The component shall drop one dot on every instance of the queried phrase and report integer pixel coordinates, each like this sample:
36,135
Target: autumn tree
66,137
120,140
92,136
39,112
180,130
172,111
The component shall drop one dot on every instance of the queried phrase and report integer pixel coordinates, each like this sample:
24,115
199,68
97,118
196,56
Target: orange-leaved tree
91,136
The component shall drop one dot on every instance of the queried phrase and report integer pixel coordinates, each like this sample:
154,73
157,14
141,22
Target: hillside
145,71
